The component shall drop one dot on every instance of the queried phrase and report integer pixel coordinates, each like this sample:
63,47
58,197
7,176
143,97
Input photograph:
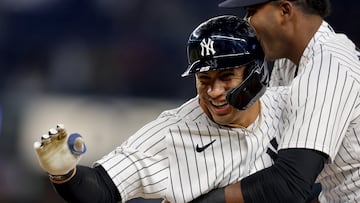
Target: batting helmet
226,42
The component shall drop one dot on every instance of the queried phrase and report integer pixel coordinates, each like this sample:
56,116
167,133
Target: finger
53,133
61,131
37,146
45,139
60,125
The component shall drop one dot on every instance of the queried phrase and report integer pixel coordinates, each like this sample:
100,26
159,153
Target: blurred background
103,68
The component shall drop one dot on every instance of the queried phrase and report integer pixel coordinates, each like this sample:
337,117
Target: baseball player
321,136
205,143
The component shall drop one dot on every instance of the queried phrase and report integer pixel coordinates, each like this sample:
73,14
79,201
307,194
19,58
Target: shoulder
190,110
282,73
335,44
275,97
277,91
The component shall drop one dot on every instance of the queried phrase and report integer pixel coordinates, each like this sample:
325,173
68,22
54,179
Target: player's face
212,87
268,22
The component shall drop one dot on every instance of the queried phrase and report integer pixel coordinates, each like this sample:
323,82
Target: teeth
219,104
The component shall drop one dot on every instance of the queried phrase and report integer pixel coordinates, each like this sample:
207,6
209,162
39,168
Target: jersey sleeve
139,167
321,103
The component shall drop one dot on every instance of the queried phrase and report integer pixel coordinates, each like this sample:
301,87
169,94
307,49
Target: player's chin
271,54
270,57
224,120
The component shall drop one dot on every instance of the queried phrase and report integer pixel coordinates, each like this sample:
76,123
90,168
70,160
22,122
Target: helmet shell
226,42
222,42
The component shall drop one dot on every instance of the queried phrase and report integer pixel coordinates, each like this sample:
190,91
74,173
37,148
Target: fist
57,152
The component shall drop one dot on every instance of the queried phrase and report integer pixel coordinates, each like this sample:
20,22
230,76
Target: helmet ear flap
247,71
251,89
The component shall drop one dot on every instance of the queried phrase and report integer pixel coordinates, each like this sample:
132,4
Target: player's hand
58,153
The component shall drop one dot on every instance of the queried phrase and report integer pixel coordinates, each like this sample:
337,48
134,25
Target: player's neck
250,116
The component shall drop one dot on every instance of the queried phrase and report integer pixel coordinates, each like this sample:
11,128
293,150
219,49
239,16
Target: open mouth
219,105
220,108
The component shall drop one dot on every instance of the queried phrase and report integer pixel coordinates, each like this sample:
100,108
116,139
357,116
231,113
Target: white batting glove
58,153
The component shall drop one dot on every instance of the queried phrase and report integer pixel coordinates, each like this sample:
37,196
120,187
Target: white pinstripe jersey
324,111
283,72
160,160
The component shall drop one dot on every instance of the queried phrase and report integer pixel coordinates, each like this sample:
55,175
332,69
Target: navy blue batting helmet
226,42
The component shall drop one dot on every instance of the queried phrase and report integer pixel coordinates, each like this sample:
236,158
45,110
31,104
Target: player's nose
216,89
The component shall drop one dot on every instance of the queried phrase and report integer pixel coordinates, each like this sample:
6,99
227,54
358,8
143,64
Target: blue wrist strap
71,143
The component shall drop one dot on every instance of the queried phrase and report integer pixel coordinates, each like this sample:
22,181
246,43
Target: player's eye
203,78
227,75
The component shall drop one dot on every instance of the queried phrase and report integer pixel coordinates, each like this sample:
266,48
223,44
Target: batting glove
58,153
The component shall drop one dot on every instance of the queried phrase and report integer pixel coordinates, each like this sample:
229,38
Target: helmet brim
222,62
240,3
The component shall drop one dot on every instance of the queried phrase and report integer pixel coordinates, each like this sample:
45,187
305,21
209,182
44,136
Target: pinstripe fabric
324,111
281,76
161,161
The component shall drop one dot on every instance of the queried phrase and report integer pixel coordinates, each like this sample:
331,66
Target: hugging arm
290,179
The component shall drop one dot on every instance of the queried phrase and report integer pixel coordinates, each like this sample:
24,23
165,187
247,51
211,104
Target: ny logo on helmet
207,47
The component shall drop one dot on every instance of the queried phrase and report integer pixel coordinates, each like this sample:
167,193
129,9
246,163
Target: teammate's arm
290,179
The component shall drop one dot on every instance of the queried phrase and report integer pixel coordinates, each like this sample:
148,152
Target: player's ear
286,8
